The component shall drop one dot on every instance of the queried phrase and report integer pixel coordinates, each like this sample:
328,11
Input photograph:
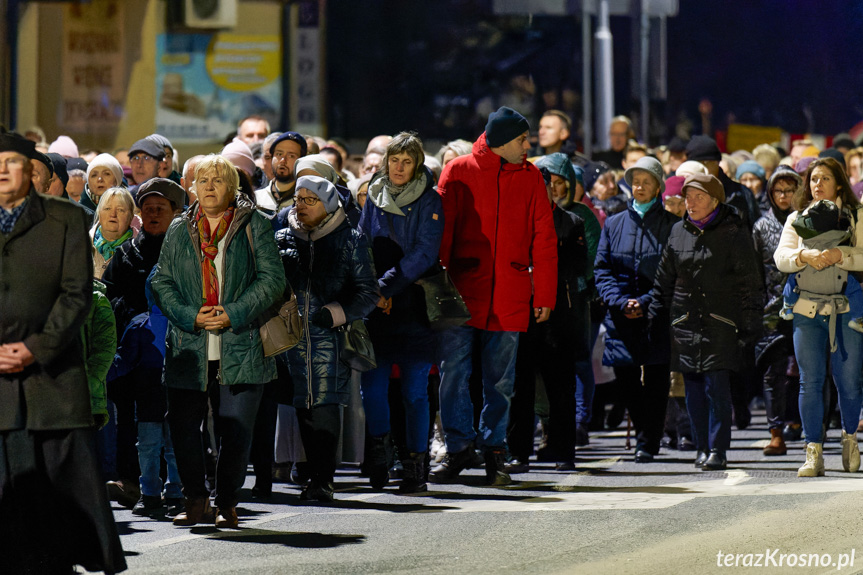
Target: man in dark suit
53,510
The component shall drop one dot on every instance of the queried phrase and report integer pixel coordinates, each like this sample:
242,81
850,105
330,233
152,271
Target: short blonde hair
767,156
223,168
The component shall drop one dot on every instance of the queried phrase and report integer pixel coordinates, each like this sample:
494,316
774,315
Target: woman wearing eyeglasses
329,266
775,350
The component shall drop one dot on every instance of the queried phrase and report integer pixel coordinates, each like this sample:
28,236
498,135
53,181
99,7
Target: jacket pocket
681,319
724,320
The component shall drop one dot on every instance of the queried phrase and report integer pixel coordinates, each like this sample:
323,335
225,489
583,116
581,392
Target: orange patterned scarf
210,248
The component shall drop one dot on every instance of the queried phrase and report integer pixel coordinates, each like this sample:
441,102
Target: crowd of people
133,290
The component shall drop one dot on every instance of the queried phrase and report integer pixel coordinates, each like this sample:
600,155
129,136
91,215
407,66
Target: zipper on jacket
568,298
724,320
306,316
682,318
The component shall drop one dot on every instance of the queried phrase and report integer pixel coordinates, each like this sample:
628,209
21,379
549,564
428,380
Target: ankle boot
850,452
814,466
777,443
414,475
379,458
198,510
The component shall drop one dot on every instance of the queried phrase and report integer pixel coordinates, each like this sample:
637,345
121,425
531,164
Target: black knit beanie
503,126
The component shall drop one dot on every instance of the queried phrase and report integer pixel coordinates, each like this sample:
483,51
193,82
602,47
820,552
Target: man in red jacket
500,247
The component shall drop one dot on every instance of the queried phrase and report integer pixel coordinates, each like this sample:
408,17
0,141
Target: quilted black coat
709,288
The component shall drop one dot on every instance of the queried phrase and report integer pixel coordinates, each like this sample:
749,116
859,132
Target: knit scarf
210,248
391,198
701,224
107,247
640,208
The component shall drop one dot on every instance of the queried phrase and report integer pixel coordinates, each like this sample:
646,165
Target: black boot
414,475
495,463
453,464
379,459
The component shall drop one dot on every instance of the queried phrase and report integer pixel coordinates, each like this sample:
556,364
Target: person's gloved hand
322,318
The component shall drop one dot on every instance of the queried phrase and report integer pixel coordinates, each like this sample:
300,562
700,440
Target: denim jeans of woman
812,348
153,437
414,392
708,401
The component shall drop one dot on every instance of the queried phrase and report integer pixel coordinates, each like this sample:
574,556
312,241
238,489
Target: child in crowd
823,226
140,356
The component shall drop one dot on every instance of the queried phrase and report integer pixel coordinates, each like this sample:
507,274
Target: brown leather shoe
198,510
227,518
777,444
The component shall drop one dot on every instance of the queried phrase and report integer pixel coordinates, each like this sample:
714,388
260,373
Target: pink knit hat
239,154
65,146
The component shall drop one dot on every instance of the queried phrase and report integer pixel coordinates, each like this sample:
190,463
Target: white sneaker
850,452
814,466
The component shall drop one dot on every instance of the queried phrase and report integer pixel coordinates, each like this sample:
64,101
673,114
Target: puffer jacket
497,226
765,236
99,337
331,267
630,249
709,290
250,285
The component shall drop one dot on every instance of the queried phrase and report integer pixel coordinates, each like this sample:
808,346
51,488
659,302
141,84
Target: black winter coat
332,268
569,325
709,290
126,275
627,258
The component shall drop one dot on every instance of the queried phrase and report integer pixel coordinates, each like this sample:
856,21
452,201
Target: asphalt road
609,516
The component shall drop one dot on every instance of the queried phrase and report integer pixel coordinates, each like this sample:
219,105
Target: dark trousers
708,400
646,401
262,454
775,392
54,511
320,430
234,410
557,367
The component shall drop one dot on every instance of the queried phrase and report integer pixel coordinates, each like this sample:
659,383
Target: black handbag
444,305
357,349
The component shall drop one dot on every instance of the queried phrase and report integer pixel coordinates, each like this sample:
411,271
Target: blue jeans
152,437
498,353
708,401
414,382
585,384
811,346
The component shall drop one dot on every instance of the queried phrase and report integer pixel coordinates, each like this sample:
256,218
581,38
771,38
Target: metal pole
605,77
644,87
587,88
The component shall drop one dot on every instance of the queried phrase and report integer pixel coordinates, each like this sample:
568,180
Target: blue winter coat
629,252
404,249
330,267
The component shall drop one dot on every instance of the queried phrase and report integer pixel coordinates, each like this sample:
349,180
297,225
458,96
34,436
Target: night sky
428,66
